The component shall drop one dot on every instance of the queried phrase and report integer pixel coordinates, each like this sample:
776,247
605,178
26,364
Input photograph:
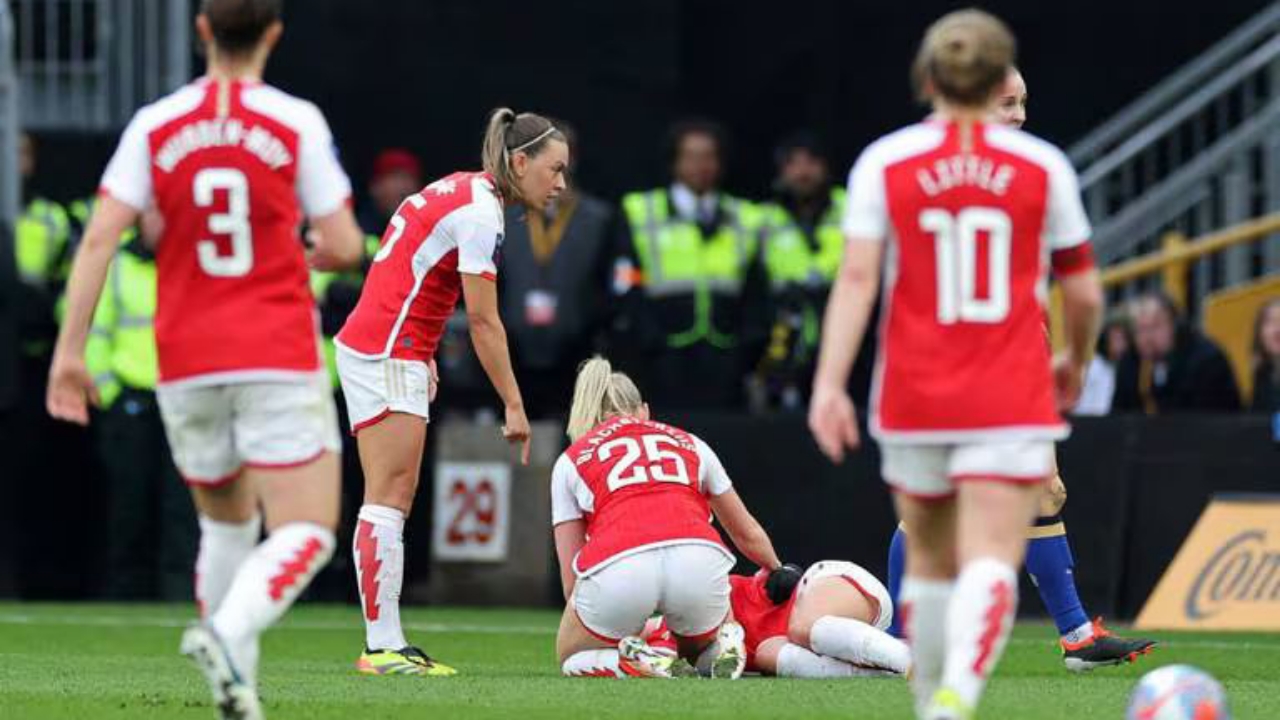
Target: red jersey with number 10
450,228
639,485
971,224
232,167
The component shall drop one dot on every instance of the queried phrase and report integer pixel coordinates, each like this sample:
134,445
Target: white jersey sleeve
322,185
866,215
128,174
477,231
1066,225
570,497
713,480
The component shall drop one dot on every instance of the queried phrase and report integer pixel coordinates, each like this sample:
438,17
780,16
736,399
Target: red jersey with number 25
450,228
232,167
639,485
972,226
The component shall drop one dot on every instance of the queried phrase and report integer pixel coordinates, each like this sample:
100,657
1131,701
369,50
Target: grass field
108,661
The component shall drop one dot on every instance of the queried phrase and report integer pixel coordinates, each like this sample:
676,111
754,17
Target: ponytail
598,394
507,134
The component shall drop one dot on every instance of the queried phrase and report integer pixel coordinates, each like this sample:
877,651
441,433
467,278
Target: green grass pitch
110,661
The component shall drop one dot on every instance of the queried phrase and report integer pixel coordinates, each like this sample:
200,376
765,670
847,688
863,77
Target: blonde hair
964,58
598,394
508,134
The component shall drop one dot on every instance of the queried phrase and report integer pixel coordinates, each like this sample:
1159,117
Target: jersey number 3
233,223
956,248
659,464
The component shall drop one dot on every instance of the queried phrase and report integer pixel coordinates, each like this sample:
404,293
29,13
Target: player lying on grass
631,500
827,622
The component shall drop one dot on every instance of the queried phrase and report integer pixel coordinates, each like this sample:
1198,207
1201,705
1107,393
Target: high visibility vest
676,260
790,258
792,261
122,342
43,232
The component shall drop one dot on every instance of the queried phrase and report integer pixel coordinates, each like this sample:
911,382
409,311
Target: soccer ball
1178,692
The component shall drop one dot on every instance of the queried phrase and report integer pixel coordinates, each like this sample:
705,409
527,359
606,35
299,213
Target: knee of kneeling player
799,628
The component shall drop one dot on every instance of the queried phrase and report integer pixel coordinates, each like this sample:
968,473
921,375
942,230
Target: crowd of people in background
713,302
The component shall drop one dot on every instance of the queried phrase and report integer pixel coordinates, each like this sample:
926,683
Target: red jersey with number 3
450,228
972,225
639,485
232,167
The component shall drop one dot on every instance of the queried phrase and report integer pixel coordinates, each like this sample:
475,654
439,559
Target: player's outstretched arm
570,537
71,387
337,242
746,532
489,339
853,295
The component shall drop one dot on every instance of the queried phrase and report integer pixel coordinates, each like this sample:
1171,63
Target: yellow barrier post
1174,274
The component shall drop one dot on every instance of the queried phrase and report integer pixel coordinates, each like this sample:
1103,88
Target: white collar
693,207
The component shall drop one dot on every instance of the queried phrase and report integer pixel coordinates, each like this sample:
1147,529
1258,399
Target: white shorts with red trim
375,387
216,430
859,578
930,472
687,584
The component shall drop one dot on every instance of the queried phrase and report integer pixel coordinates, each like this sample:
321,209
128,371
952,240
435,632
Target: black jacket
1199,379
9,301
1266,391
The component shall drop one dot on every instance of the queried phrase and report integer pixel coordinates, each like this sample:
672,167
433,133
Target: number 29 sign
472,512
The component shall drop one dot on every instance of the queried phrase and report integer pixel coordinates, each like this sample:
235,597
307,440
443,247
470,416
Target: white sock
223,546
924,608
268,582
378,550
593,663
858,643
979,621
795,661
1080,634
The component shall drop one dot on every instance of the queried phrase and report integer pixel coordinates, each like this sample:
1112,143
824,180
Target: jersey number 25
643,458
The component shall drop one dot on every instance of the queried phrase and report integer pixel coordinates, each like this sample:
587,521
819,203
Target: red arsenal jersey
638,484
233,167
971,226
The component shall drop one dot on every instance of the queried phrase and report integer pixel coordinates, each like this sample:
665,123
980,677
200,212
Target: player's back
646,484
971,221
450,227
231,167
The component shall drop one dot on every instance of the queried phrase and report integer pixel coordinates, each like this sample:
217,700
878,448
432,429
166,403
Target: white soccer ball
1178,692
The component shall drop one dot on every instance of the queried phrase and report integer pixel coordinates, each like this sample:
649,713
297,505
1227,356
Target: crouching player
631,502
827,622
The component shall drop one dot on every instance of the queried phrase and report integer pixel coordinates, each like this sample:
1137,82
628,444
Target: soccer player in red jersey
829,621
233,166
631,501
967,217
441,244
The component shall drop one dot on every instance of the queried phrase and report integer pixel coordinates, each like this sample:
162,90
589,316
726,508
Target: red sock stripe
1001,605
597,673
367,548
904,610
291,570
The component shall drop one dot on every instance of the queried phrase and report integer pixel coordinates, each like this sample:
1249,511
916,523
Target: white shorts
930,472
688,584
859,578
375,388
215,430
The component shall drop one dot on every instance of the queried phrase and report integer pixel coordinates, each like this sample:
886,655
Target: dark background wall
424,74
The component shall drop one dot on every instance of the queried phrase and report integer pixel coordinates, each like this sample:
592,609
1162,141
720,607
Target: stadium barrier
1227,574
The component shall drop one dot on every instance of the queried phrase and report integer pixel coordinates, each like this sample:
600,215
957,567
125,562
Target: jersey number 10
659,464
956,248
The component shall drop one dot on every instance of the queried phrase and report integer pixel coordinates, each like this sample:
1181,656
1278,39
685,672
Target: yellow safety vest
788,255
676,260
122,343
320,282
43,232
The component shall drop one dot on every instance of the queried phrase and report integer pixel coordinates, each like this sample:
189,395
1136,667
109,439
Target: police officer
802,244
42,247
693,288
151,528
